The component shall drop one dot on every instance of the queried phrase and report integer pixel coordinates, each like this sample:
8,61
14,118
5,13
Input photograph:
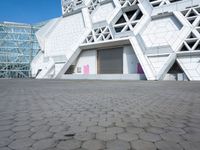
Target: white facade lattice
148,39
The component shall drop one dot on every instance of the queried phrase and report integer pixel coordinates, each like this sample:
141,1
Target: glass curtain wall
18,46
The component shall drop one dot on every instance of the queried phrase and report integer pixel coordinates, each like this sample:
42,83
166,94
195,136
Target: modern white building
121,39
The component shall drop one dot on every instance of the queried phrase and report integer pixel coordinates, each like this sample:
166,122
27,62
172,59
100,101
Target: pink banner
86,69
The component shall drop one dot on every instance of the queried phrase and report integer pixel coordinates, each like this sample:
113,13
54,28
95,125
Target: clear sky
29,11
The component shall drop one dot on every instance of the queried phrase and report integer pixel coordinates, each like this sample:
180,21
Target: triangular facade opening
184,48
191,36
175,68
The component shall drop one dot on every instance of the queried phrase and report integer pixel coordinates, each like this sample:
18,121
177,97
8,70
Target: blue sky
29,11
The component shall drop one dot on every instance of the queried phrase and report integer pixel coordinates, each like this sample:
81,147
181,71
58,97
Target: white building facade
121,39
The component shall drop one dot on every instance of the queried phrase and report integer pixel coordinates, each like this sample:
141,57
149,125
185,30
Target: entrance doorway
110,61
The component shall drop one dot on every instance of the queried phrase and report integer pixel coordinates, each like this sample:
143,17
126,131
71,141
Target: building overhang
105,44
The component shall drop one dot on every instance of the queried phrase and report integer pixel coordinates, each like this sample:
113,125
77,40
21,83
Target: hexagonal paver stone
69,144
115,130
41,135
7,117
38,123
191,130
21,123
127,136
105,123
40,128
21,128
77,129
96,129
54,122
175,130
105,136
167,145
176,124
56,129
4,141
149,137
44,144
5,148
141,124
5,134
4,128
190,145
159,124
22,118
118,145
143,145
6,122
93,145
88,123
155,130
64,135
192,137
21,143
84,136
122,124
192,124
171,137
134,130
21,134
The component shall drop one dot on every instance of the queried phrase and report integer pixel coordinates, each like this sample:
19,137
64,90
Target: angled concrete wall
159,32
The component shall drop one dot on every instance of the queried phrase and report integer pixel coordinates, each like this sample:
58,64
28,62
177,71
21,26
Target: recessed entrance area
110,61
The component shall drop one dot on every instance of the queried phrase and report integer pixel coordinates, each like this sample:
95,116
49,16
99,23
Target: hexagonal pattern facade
149,39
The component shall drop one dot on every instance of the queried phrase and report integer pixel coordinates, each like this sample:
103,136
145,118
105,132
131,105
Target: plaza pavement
99,115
